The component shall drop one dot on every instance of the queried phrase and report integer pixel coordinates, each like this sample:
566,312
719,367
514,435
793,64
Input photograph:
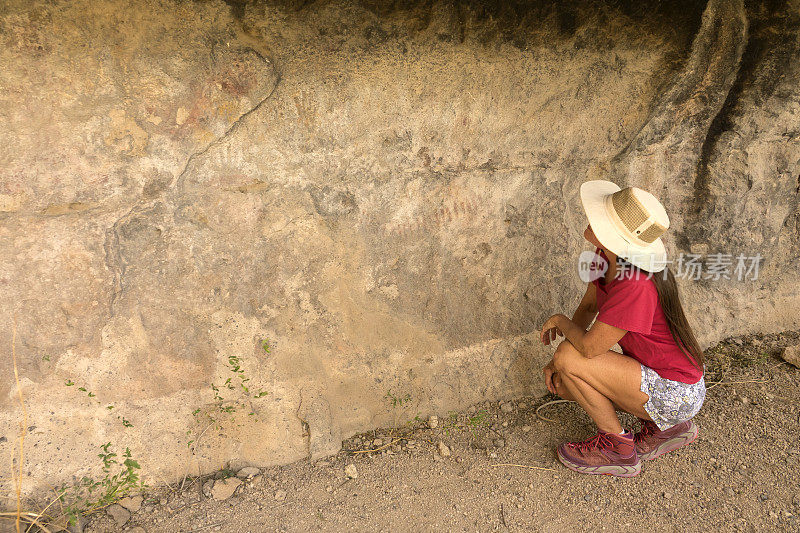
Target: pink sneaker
651,442
606,453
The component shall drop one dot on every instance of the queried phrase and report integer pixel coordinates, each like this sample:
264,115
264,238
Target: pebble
743,399
280,495
506,407
504,424
433,421
791,354
522,405
377,442
763,497
248,471
131,503
224,488
526,429
667,495
118,513
500,443
350,471
444,450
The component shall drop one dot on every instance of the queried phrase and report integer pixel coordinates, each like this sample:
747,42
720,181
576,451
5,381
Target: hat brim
651,258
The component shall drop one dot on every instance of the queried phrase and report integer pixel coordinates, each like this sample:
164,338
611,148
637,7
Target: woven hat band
632,220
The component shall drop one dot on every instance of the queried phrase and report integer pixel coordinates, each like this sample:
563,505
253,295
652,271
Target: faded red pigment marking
449,213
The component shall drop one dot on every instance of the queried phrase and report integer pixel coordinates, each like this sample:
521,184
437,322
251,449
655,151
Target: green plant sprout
119,480
233,395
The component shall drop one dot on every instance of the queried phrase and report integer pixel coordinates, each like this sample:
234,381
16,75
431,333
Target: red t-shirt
630,302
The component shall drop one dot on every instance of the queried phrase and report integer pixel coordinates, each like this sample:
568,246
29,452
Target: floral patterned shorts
671,402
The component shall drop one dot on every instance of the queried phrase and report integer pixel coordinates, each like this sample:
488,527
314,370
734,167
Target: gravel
740,474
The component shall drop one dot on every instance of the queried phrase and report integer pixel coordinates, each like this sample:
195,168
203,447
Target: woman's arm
587,309
599,339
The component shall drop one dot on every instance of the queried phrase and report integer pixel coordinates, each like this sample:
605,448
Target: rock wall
237,233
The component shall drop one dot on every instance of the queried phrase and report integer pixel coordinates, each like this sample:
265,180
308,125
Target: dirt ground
740,475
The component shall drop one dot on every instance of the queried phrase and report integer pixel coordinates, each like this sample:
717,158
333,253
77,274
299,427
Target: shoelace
600,440
647,430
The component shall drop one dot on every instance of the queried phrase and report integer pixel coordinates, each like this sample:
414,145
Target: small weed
478,422
232,396
397,401
399,406
119,480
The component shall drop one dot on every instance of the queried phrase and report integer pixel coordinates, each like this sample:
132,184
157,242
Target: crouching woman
658,377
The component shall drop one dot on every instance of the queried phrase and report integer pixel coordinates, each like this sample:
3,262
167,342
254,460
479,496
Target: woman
658,377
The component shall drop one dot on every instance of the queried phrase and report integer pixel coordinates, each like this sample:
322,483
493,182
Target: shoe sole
604,470
678,441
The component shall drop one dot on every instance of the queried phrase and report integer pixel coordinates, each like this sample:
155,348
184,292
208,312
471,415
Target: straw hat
628,221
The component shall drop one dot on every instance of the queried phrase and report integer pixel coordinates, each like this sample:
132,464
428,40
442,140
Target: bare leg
600,384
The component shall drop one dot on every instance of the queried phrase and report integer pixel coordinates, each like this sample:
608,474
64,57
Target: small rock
522,405
118,513
350,471
737,342
256,480
773,515
791,354
323,463
328,488
763,497
526,429
506,407
433,421
587,497
444,450
131,503
743,399
504,424
667,495
377,442
224,488
500,443
280,495
248,471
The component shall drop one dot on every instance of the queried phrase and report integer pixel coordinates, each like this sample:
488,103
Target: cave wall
385,193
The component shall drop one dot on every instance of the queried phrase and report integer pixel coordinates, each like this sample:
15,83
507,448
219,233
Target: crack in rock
667,148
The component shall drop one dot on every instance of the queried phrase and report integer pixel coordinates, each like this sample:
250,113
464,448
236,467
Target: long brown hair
682,333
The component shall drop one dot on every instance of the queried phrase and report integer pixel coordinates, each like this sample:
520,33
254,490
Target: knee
565,357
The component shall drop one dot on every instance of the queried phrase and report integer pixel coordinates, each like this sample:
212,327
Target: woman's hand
550,329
